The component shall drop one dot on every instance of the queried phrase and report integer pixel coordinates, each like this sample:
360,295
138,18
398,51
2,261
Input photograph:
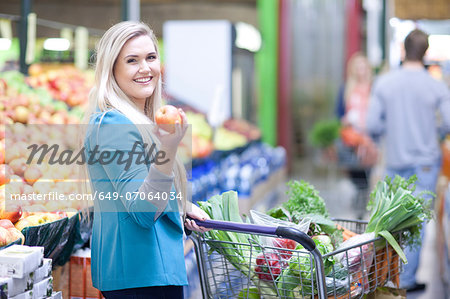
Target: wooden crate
80,282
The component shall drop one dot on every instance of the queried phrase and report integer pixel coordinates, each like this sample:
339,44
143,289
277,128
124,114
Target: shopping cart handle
274,231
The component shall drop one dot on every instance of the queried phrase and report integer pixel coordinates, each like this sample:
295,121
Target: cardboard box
19,260
17,286
3,290
43,271
57,295
43,289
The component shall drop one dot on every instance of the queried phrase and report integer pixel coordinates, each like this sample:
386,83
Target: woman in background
356,151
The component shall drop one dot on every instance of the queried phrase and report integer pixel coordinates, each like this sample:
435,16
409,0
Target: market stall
33,110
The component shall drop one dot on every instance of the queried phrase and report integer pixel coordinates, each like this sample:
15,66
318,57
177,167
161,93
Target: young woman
353,98
351,109
137,238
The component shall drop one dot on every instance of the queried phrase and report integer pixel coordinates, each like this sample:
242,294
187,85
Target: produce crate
80,282
356,274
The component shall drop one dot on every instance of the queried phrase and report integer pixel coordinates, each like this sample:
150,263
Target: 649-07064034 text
53,195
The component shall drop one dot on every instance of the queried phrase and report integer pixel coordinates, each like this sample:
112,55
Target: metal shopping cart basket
359,175
307,274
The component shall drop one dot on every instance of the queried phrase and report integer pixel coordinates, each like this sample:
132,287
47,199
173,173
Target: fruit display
9,233
38,218
201,147
202,132
32,117
34,178
64,82
19,103
32,110
225,140
243,127
234,133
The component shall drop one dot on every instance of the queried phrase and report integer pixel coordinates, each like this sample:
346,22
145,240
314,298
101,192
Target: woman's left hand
196,213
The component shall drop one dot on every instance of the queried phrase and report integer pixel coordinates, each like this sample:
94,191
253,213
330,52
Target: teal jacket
129,248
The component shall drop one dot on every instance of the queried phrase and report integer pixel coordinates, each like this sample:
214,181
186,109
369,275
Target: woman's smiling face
137,69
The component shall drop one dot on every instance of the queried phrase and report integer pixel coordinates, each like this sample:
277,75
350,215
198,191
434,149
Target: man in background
404,108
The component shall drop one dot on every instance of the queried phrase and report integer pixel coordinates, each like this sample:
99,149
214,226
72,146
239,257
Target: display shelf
264,193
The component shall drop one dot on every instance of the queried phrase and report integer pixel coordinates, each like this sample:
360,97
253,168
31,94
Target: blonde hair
353,78
106,93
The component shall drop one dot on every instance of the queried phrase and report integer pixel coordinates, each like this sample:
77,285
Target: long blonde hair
353,77
106,93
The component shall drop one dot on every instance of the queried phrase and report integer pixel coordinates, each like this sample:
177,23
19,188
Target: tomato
287,244
268,266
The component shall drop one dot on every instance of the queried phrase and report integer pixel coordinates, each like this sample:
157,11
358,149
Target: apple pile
243,127
21,104
225,140
9,233
64,82
39,178
21,108
39,218
202,132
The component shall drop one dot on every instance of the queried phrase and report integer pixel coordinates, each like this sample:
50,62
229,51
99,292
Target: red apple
3,86
27,189
15,185
18,165
22,223
6,223
15,234
5,174
32,174
4,236
167,116
12,212
11,152
21,114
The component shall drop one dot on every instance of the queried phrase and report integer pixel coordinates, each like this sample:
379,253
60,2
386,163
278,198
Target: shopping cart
359,175
222,277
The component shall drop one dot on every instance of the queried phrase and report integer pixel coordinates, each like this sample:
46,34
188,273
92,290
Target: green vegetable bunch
225,207
304,202
324,133
395,208
303,199
299,276
235,247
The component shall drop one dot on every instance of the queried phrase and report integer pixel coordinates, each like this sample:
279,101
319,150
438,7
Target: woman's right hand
171,141
169,144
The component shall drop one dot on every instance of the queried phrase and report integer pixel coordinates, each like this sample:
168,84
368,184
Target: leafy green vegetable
303,199
395,208
304,202
253,293
233,246
324,133
297,276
